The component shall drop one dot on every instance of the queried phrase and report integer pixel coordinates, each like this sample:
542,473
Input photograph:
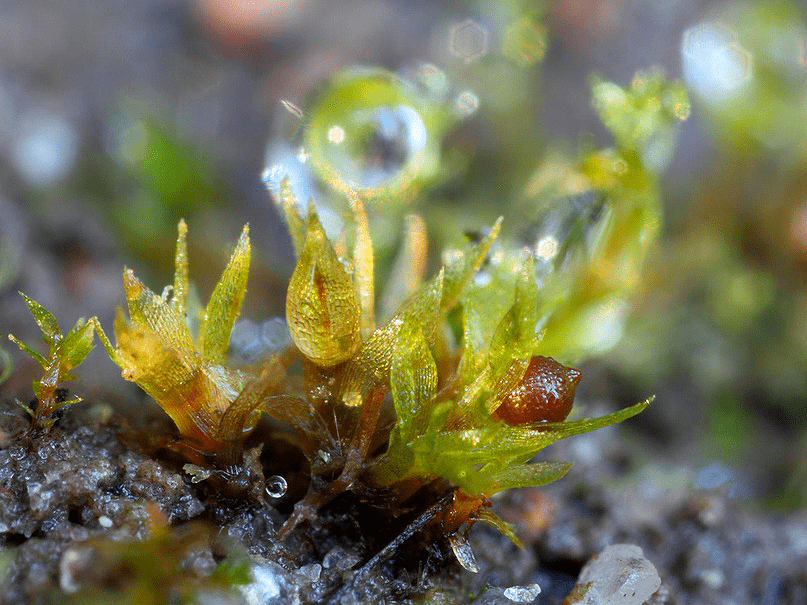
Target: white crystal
619,575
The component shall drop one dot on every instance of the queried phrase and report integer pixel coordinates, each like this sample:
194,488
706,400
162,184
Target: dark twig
386,552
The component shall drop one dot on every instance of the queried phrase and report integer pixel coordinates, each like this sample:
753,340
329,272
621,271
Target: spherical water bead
370,130
276,486
545,394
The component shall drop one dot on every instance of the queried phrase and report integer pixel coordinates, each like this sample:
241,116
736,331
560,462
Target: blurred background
118,118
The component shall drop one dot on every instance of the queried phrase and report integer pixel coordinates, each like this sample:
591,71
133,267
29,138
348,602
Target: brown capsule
545,394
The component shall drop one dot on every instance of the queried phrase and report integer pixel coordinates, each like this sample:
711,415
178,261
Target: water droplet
369,131
466,104
462,550
285,162
276,486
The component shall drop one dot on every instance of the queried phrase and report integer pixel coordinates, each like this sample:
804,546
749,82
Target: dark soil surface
69,493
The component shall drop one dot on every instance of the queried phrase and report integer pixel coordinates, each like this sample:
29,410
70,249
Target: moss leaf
225,304
322,309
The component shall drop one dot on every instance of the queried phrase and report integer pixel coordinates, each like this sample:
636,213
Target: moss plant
394,409
433,411
65,353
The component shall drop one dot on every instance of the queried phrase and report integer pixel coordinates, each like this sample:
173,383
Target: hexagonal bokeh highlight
468,41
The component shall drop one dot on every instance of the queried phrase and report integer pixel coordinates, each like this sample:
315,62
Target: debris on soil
619,575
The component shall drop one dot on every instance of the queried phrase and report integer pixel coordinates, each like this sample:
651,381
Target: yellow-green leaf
225,304
322,309
413,378
45,320
180,296
152,312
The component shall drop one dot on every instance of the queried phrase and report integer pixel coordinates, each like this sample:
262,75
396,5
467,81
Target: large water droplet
286,162
371,130
567,234
276,486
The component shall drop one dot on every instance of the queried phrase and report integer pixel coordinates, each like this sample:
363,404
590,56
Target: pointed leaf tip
45,320
225,303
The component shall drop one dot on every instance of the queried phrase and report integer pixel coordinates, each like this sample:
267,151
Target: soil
87,483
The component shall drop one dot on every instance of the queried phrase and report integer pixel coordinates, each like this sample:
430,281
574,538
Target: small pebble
522,594
619,575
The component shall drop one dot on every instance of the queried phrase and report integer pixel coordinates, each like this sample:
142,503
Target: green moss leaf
413,379
225,303
45,320
76,345
322,308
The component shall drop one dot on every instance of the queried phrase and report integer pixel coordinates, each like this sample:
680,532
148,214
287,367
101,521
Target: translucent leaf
76,345
515,336
322,309
523,442
528,475
371,364
7,364
180,296
413,379
105,342
159,370
363,266
409,266
459,271
225,303
45,320
152,312
505,528
235,419
26,349
288,202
